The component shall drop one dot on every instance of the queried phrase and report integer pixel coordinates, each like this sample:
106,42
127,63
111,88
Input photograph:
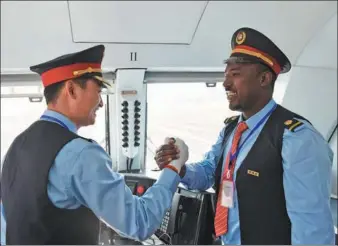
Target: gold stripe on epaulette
291,125
295,125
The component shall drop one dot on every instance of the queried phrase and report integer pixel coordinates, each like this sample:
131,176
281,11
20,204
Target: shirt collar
71,126
253,120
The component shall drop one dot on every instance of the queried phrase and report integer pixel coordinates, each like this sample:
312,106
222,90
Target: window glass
14,90
191,111
97,131
18,113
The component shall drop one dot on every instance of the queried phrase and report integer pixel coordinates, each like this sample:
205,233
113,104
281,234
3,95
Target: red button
140,189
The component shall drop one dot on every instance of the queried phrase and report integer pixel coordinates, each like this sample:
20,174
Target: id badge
227,194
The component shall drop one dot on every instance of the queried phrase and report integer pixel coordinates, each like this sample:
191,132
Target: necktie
221,218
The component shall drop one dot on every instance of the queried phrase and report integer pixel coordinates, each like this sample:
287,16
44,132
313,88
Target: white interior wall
312,93
312,89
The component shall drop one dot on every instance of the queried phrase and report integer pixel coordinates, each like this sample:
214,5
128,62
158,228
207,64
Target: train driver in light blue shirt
56,185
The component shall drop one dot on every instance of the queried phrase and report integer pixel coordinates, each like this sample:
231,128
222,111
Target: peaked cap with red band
85,63
251,46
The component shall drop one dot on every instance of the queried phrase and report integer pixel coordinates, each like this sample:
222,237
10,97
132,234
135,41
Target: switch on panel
125,139
137,122
125,123
137,110
130,124
140,189
125,145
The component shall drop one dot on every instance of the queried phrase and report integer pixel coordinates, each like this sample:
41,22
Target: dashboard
188,221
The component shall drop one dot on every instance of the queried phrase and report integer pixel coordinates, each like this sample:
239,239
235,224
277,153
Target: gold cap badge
240,38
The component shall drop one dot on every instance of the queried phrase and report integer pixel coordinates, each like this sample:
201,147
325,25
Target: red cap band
270,61
58,74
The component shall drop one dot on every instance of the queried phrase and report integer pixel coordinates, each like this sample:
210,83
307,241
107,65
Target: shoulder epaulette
293,124
231,119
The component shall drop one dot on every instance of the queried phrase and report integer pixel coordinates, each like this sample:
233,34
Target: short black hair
51,92
264,68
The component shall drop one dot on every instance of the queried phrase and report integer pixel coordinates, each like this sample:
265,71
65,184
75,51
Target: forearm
308,208
199,176
95,185
312,228
131,216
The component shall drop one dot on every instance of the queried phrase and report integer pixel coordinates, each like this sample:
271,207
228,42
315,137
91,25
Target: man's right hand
170,153
166,153
183,156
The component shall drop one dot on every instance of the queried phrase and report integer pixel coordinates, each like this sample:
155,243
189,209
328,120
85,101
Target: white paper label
227,194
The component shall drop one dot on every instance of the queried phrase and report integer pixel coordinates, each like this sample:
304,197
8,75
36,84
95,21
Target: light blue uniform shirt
307,163
82,175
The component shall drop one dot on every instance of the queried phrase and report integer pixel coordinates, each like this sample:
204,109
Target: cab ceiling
163,33
135,22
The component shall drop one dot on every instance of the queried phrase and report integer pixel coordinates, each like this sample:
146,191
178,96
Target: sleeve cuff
188,175
169,178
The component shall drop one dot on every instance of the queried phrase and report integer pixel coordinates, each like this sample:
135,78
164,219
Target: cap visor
234,60
105,83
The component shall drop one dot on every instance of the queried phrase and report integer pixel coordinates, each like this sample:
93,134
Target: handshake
174,151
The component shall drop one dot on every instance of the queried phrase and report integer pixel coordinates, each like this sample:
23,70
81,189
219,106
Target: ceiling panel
160,22
36,31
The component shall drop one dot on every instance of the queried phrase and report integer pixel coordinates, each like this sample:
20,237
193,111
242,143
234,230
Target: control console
188,221
138,183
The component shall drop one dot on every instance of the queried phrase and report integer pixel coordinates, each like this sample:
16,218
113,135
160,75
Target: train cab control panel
189,221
